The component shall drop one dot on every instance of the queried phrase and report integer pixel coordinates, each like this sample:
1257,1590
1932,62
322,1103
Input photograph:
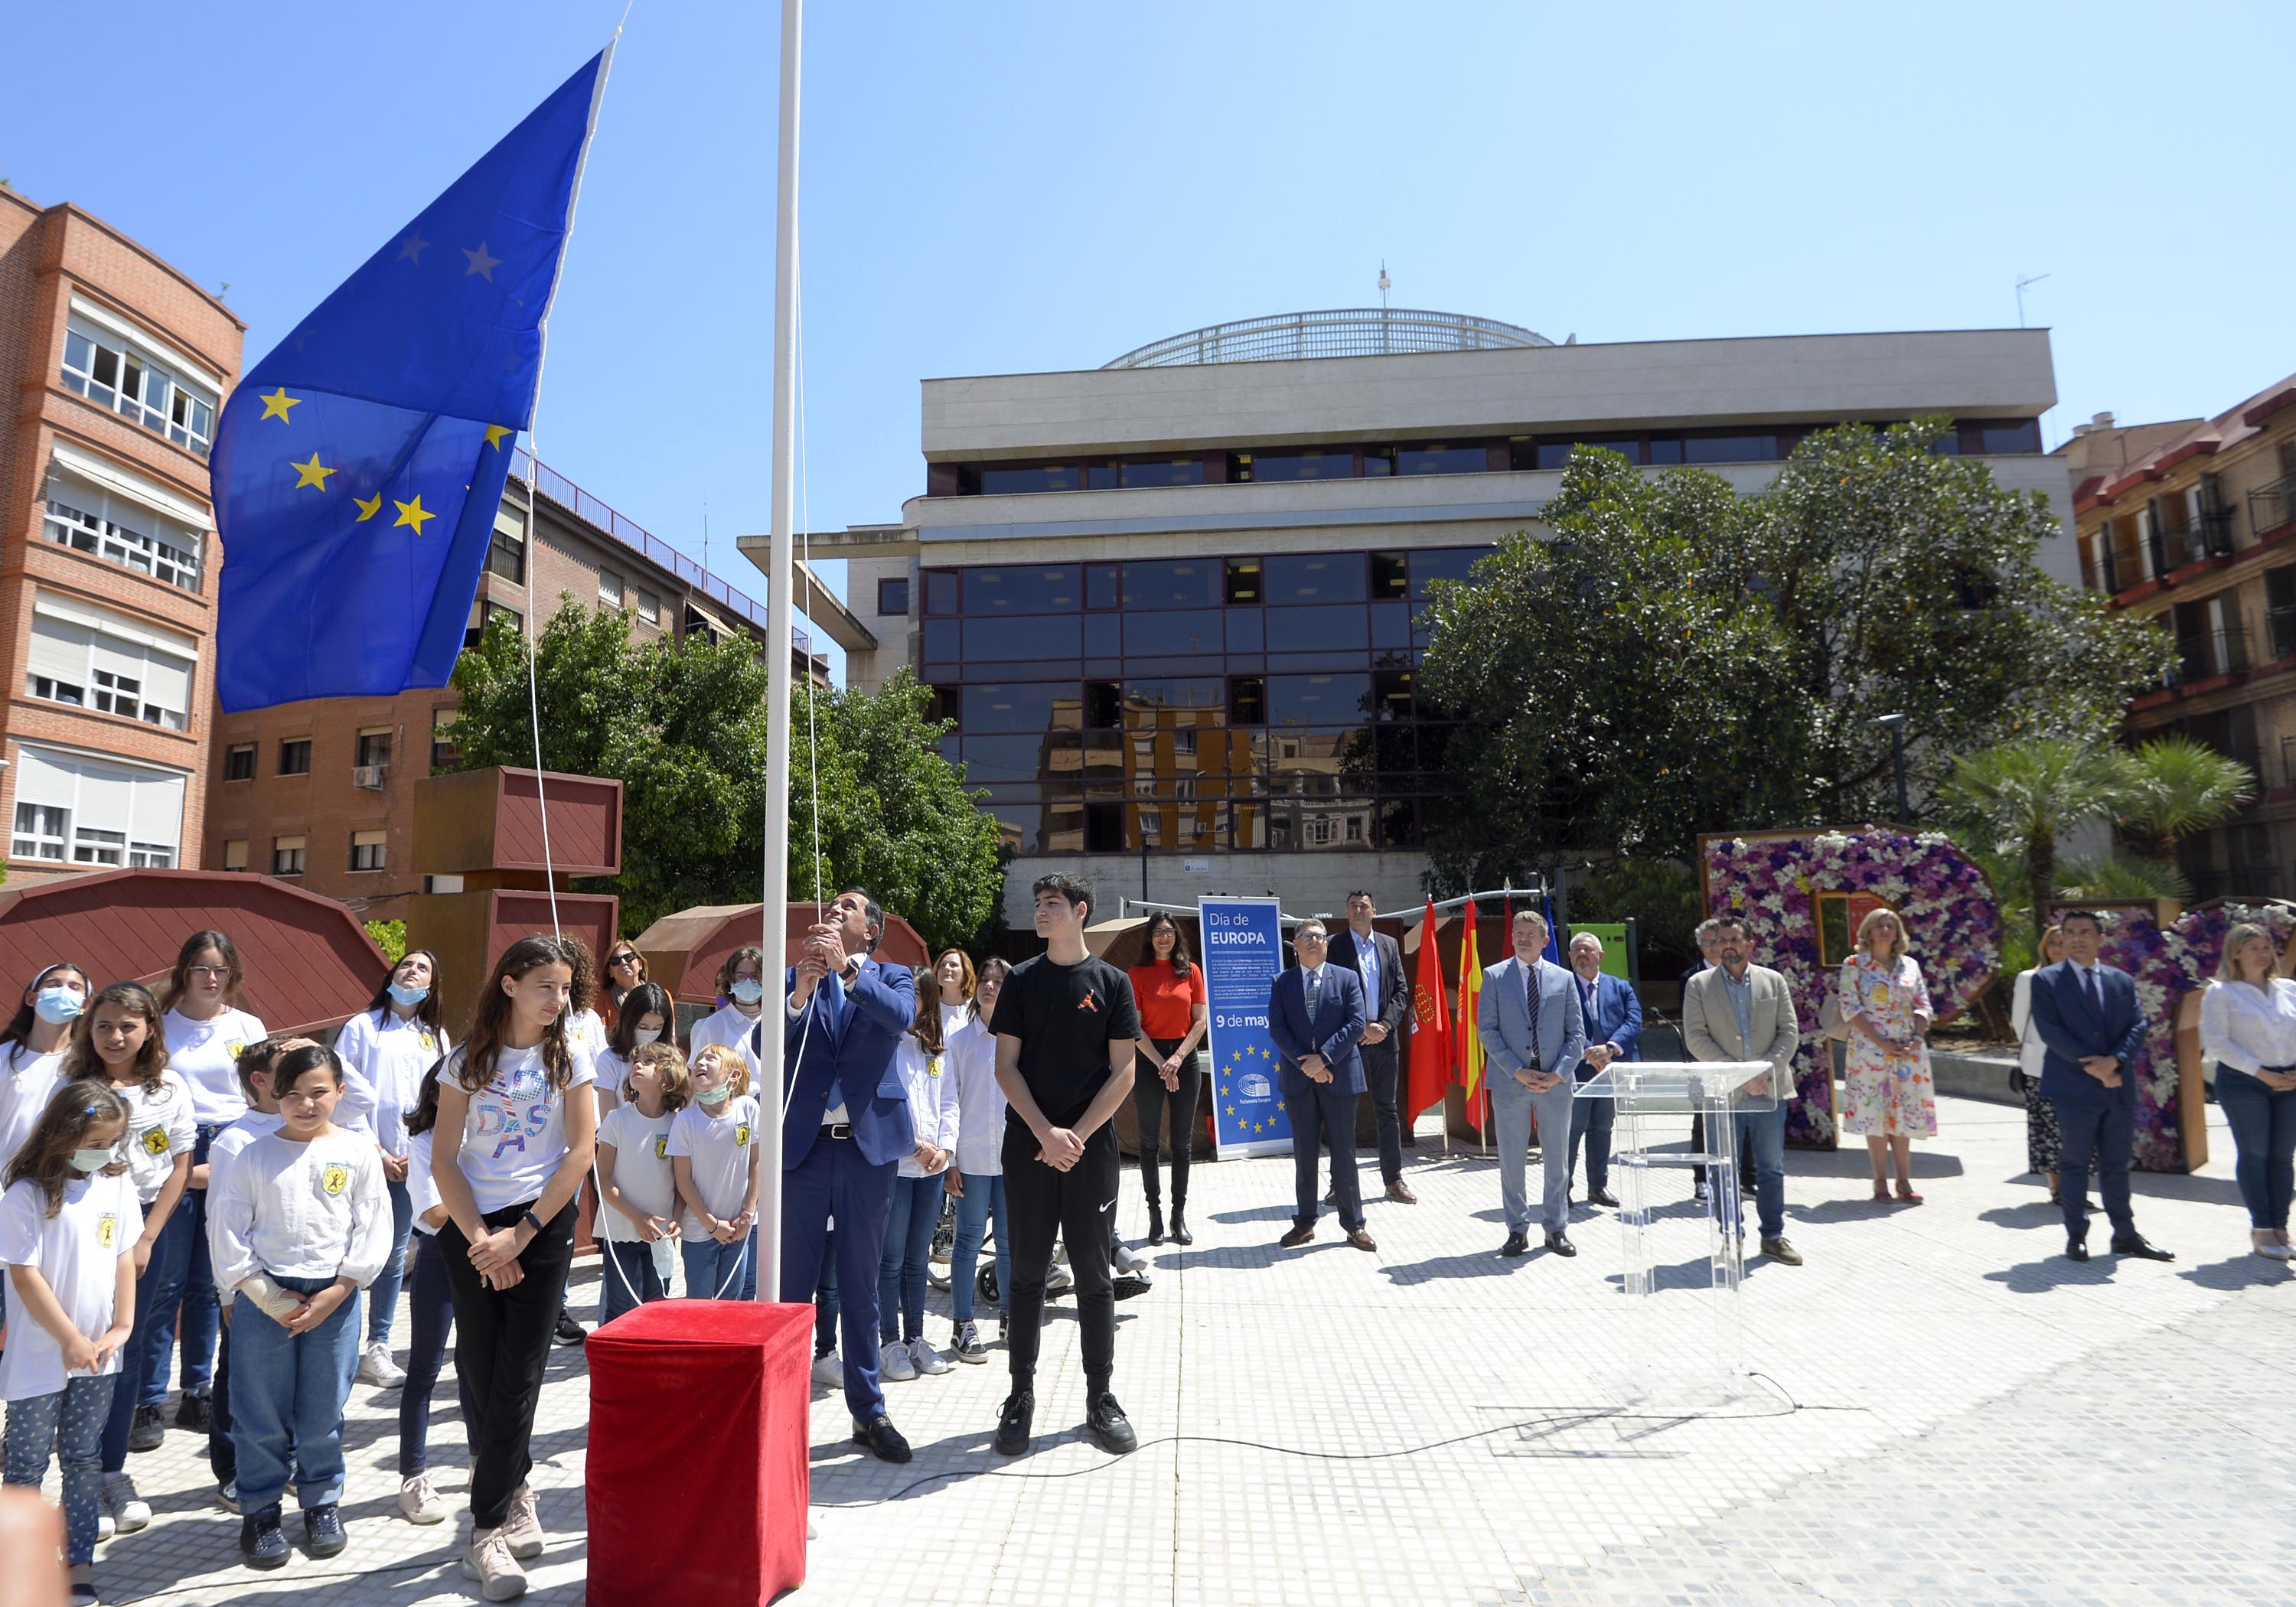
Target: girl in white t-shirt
68,1228
637,1217
430,1313
918,1188
741,982
117,1041
516,1124
647,1017
713,1157
32,1051
977,1175
206,1031
386,1049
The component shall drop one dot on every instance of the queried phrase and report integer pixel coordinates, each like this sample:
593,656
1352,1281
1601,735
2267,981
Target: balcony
2208,537
2205,654
2242,882
2272,506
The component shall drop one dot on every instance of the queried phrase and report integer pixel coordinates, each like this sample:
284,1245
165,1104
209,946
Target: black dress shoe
191,1412
147,1431
1296,1238
1012,1423
883,1439
1560,1243
569,1331
2075,1250
1180,1234
260,1541
1155,1223
2134,1245
1516,1243
1602,1196
1109,1424
322,1530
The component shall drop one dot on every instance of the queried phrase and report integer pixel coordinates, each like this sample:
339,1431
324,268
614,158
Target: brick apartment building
323,792
2193,522
117,365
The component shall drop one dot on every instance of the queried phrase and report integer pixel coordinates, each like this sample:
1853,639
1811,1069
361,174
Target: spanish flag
1471,993
1431,1027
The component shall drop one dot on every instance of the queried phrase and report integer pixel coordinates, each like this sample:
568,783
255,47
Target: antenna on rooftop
705,534
1384,283
2021,283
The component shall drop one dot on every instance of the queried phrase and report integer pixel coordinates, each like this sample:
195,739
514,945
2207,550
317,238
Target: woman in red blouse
1171,993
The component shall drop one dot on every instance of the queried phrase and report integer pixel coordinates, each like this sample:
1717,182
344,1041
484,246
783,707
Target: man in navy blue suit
846,1129
1614,1032
1315,1015
2091,1029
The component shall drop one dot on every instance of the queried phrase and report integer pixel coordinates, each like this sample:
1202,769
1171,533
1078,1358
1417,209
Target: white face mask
643,1036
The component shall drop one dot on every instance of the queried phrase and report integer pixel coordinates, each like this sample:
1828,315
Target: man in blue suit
1534,1036
1315,1015
1614,1032
846,1129
2091,1029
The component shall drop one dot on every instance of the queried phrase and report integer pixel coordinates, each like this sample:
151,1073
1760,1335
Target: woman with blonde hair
2042,1143
1891,1097
2248,1027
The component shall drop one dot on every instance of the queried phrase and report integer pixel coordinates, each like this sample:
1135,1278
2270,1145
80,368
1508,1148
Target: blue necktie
1315,990
831,994
2096,991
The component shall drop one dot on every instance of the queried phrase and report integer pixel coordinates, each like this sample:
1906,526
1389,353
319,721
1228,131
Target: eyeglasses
214,973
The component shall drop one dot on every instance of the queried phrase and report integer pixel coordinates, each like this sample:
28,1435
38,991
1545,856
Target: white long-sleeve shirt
933,1099
980,1103
2248,1027
302,1211
384,1063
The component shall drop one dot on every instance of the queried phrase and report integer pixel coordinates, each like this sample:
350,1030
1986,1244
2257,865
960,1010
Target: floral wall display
1772,880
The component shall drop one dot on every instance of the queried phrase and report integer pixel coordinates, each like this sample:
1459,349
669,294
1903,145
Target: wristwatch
532,1221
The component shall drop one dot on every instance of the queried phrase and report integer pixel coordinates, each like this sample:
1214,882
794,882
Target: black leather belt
837,1129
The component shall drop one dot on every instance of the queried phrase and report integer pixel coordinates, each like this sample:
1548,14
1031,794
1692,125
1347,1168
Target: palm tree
2025,795
2183,786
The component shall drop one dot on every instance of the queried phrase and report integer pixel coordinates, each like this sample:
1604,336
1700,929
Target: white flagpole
775,895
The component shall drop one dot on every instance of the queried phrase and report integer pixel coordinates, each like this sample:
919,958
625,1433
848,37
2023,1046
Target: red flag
1430,1027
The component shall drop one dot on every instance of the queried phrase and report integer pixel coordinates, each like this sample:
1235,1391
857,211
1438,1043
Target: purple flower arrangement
1772,882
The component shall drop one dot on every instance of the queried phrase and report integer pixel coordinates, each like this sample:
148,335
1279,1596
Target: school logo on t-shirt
932,1066
741,1135
661,1146
430,1045
155,1142
107,1232
234,1046
335,1179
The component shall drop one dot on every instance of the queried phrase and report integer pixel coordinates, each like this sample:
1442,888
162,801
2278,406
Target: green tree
2024,796
683,726
2182,786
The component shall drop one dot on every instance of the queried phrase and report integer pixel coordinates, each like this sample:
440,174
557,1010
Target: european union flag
357,468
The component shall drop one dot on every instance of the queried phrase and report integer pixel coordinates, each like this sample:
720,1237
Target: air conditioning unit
369,777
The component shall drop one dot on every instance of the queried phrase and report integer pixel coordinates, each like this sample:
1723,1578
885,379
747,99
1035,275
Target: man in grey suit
1534,1034
1737,1011
1374,956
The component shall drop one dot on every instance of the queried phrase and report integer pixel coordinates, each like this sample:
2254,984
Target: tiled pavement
1954,1415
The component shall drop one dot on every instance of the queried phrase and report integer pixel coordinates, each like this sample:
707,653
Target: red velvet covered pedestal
697,1472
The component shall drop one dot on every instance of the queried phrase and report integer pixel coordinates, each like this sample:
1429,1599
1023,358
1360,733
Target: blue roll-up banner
1243,952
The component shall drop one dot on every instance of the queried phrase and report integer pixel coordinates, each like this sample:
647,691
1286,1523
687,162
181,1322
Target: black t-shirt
1064,1016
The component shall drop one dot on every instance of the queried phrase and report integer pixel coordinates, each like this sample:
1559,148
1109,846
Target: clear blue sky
998,188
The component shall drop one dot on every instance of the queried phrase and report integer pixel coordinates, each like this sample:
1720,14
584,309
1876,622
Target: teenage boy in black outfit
1065,1024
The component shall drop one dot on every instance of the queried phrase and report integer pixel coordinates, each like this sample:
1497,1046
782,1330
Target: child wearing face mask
740,981
385,1049
117,1041
639,1219
31,1058
68,1223
645,1018
713,1158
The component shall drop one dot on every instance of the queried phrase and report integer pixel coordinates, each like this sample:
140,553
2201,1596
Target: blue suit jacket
2071,1030
878,1009
1618,1019
1503,1022
1339,1024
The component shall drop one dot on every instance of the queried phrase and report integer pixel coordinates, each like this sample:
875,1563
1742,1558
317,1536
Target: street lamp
1896,725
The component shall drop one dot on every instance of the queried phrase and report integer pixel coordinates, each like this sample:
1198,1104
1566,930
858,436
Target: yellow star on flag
368,507
483,264
1231,1110
276,405
313,473
494,433
411,512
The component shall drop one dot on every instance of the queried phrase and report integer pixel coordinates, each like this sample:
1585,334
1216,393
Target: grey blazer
1709,1026
1503,1022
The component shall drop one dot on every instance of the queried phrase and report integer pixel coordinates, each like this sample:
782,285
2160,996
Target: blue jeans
908,1246
287,1395
709,1264
638,1273
70,1422
2264,1136
382,1294
1761,1139
982,1201
202,1317
430,1318
144,1361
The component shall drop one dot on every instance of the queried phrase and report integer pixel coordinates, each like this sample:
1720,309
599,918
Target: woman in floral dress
1891,1096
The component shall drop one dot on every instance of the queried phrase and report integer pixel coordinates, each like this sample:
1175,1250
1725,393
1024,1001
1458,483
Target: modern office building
1173,602
2193,522
115,363
322,791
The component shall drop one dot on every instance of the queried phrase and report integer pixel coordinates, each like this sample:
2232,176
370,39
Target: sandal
1882,1192
1905,1192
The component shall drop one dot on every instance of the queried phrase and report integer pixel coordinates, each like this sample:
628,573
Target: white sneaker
418,1502
828,1371
893,1363
376,1367
1059,1280
126,1511
2277,1252
926,1358
521,1530
104,1526
488,1559
1125,1258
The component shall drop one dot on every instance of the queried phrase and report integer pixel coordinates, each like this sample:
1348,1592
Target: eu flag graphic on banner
1243,952
357,468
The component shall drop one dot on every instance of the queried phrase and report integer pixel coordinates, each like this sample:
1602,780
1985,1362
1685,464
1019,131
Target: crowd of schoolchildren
175,1179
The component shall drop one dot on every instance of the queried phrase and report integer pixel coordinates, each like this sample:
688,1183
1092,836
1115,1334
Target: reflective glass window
1104,638
1032,589
999,761
1318,700
1318,629
1103,476
1165,471
941,586
1665,450
1556,454
1101,585
1019,706
1316,577
1173,691
1196,630
1441,563
1336,462
1246,630
1050,639
2025,435
1442,459
1751,447
1184,583
1021,478
1390,625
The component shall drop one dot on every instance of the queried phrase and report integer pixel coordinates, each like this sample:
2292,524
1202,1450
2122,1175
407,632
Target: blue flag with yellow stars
357,468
